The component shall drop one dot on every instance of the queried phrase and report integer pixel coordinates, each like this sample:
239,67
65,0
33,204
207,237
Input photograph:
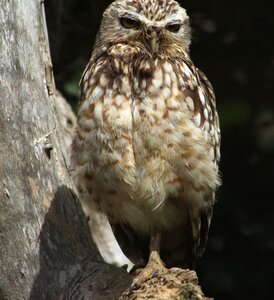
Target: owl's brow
147,21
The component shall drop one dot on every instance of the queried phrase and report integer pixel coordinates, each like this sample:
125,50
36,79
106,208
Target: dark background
233,45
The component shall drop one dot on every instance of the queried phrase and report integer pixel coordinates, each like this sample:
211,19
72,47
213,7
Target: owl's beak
154,45
153,39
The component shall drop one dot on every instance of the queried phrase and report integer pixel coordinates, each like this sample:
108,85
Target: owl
146,146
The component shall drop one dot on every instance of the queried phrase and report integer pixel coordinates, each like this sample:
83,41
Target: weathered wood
46,251
44,236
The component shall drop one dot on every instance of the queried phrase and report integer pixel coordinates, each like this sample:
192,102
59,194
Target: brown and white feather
147,144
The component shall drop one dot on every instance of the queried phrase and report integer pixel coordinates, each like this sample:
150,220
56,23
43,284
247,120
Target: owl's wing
209,113
197,86
134,245
202,224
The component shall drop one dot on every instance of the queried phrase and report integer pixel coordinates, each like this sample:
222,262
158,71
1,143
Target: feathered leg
154,265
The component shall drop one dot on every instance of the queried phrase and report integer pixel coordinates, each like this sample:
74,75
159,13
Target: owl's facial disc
151,31
150,23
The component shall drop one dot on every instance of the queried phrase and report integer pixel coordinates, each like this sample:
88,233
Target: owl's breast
139,144
172,154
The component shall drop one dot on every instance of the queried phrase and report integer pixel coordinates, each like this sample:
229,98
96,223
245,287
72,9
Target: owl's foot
153,267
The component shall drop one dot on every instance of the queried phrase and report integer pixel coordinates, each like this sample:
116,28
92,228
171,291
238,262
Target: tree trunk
46,250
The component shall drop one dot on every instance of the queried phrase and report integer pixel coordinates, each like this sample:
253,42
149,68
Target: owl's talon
137,282
132,287
155,272
143,276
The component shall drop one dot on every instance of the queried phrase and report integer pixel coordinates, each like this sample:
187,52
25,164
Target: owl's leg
154,265
154,257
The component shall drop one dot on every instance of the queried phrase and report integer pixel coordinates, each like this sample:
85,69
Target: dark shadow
66,249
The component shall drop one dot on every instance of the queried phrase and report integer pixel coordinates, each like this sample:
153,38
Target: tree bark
46,250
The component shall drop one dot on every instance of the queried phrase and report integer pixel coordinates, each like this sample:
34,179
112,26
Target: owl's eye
173,27
130,23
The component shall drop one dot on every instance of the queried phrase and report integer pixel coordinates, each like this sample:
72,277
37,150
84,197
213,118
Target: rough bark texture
46,251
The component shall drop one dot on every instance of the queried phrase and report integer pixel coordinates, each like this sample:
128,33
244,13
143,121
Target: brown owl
146,147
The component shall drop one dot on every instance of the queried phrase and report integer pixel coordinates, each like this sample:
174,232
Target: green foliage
71,87
71,90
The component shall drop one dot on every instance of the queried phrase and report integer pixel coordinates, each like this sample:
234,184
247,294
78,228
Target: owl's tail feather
200,223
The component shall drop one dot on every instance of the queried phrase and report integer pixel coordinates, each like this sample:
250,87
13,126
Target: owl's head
151,24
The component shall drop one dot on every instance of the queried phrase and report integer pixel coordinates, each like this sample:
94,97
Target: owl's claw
155,272
154,266
132,287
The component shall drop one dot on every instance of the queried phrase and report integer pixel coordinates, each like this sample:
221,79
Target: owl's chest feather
143,144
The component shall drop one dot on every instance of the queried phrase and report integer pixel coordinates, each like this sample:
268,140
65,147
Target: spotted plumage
146,147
